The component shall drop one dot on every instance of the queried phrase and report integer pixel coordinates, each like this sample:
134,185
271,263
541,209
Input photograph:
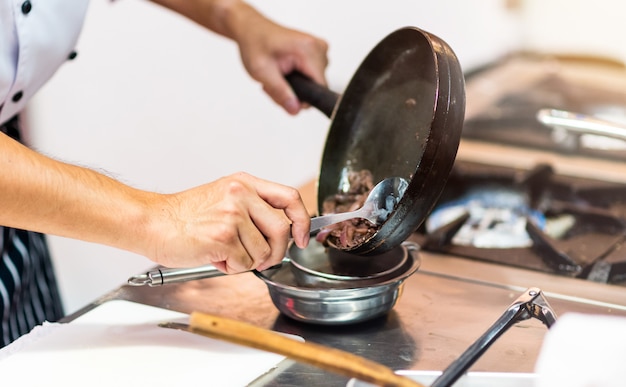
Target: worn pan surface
400,115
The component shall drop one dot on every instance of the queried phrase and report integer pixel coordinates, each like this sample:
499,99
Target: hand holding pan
400,115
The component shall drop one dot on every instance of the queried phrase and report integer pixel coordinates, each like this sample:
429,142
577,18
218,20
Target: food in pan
353,232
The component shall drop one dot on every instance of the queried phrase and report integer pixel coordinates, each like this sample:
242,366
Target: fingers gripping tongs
531,304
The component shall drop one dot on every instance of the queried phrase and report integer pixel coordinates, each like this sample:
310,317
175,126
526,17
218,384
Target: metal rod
531,304
581,123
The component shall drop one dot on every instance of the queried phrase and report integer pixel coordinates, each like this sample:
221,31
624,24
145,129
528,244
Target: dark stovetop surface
588,246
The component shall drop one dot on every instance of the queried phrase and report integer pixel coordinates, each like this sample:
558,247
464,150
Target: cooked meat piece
353,232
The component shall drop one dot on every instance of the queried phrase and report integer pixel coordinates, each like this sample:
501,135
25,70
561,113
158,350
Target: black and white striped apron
28,290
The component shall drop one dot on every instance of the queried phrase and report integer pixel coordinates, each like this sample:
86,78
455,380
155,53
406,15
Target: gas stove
531,218
526,195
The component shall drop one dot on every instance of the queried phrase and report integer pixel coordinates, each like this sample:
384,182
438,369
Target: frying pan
400,115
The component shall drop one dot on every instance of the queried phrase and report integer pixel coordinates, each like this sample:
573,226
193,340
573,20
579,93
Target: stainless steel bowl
339,302
317,264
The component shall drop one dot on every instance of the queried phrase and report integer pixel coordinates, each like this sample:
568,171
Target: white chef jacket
36,37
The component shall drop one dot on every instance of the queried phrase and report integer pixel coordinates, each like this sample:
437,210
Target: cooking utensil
313,266
578,123
164,276
330,266
339,302
531,304
379,203
326,358
400,115
321,295
574,132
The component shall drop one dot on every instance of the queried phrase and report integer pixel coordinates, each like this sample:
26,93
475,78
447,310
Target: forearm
224,17
268,50
45,195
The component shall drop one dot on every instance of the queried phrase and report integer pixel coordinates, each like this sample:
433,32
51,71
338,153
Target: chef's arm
41,194
268,50
237,223
224,17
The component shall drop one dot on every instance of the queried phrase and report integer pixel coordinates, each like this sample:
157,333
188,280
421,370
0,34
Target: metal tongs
531,304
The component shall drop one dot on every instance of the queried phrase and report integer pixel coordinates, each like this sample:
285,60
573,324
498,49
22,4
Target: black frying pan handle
313,93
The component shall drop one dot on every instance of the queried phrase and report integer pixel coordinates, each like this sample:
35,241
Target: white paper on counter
468,379
120,343
582,350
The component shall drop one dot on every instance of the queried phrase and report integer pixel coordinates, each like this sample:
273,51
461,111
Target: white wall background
578,27
163,105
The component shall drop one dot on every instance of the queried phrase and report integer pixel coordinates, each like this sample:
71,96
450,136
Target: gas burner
493,216
533,219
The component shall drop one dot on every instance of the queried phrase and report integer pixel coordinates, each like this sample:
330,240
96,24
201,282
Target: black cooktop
534,219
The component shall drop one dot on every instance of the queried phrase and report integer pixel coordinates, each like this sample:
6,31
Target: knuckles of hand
236,185
227,217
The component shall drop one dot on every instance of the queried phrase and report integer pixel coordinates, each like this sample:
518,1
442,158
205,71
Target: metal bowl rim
412,250
339,277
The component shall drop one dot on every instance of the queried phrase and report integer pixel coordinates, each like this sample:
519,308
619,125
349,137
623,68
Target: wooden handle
326,358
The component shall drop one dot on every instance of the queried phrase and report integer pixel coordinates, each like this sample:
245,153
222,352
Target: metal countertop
443,309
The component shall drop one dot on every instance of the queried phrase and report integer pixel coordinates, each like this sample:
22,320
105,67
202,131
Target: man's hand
236,223
268,50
